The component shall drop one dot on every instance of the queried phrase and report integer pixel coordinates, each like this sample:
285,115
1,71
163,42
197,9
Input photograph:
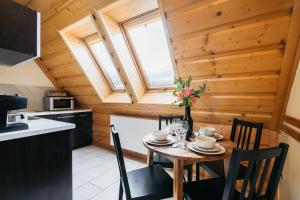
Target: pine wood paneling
217,13
65,58
236,46
244,104
66,70
79,80
250,84
245,37
254,62
81,91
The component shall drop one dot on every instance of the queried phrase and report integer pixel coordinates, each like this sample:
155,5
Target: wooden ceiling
244,49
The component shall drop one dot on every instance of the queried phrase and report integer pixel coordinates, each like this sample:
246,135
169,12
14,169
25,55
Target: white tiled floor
96,175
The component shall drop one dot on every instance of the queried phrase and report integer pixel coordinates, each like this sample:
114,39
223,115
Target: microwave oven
52,103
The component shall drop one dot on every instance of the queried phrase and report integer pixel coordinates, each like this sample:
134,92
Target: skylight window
149,45
104,60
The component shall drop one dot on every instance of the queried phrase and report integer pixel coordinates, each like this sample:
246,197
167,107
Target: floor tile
107,179
86,192
111,193
77,153
88,175
84,166
78,160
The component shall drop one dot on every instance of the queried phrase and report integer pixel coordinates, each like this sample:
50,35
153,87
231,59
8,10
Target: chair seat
216,168
165,162
210,189
150,183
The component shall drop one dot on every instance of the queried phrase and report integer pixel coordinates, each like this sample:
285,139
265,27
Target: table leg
178,179
150,158
226,165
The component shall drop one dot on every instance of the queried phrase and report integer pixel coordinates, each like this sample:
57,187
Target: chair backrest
168,119
242,132
259,162
121,163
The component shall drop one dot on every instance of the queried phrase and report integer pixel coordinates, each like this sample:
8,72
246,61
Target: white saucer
221,151
216,148
217,136
149,139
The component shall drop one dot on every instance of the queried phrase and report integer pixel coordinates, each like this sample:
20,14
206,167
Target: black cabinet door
37,167
82,134
68,118
84,129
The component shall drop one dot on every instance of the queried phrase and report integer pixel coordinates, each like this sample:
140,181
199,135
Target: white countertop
37,127
56,112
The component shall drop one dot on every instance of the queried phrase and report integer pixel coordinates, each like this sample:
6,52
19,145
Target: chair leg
190,173
120,191
197,171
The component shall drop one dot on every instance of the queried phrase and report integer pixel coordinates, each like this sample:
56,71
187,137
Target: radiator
132,130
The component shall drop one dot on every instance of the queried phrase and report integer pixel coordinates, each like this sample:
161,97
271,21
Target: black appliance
10,103
19,33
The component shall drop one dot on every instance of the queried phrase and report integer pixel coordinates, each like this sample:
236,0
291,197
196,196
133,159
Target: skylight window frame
91,39
148,17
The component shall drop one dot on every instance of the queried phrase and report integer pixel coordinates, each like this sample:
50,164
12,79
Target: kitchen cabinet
37,167
82,134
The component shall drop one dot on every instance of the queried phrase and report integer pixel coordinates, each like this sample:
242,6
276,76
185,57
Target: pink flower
194,100
188,92
180,96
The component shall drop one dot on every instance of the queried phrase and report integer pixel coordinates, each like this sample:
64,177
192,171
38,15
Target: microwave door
60,104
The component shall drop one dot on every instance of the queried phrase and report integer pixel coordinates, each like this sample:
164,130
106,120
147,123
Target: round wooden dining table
182,157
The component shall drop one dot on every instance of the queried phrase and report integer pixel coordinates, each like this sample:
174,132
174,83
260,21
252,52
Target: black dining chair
141,184
241,134
163,161
255,185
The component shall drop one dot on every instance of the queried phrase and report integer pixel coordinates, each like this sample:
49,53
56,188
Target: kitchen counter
37,163
37,127
40,113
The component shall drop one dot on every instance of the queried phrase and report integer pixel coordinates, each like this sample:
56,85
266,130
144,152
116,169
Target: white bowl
205,142
207,131
159,135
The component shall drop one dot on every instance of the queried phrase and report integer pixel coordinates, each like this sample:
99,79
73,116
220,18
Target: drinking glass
183,131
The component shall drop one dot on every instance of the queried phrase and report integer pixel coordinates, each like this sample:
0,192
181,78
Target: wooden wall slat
80,80
264,33
260,61
250,84
61,59
290,131
216,14
292,121
71,69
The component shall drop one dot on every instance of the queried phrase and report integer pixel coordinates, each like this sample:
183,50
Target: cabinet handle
65,117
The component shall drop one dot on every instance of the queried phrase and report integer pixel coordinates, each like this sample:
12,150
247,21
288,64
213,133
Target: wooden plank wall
236,45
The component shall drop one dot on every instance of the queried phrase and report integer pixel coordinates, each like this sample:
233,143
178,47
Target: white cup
205,142
159,135
208,131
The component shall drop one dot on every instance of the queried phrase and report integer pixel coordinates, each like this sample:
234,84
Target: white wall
132,131
28,80
27,73
289,188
